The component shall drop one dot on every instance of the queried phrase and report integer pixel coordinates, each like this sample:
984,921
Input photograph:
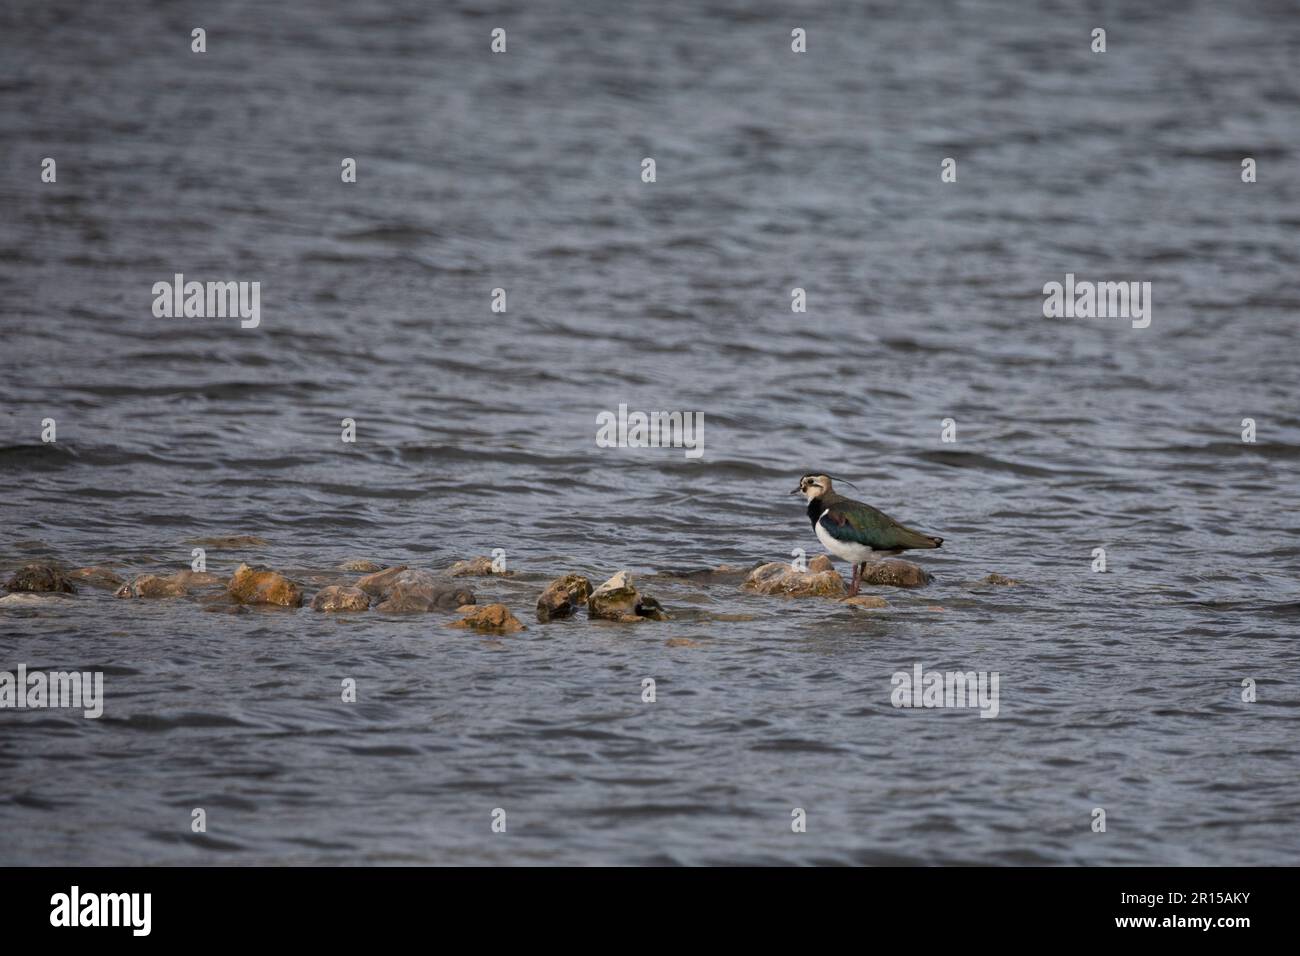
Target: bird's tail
914,539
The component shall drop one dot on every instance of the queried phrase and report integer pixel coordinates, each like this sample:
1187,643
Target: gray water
476,430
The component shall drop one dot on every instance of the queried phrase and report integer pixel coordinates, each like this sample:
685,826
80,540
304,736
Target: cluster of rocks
394,590
615,600
404,590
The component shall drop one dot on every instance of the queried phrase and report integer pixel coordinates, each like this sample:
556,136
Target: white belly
848,550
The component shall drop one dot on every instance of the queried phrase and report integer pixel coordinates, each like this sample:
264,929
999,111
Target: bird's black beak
796,491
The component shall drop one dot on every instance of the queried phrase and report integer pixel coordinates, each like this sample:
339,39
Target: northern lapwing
854,531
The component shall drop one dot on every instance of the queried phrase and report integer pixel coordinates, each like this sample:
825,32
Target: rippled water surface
476,430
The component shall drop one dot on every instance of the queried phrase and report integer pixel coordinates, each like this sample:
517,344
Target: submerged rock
618,600
377,584
98,577
414,591
361,566
681,642
199,579
865,600
478,567
225,608
41,577
706,575
1001,579
491,617
263,586
779,578
340,598
894,572
30,599
230,541
562,597
170,585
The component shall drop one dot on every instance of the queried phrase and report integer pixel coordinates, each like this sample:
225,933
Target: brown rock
361,566
477,567
1000,579
491,617
779,578
170,585
681,642
340,598
417,591
562,597
865,600
893,572
377,584
618,600
41,577
820,563
150,586
98,577
263,586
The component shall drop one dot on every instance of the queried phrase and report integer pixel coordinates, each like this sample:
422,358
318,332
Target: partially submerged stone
193,580
377,584
722,571
361,566
225,608
338,597
1000,579
415,591
865,600
895,572
259,585
39,577
170,585
562,597
476,567
97,577
780,578
150,586
491,617
618,600
681,642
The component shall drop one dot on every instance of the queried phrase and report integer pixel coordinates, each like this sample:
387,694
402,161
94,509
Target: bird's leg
857,575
